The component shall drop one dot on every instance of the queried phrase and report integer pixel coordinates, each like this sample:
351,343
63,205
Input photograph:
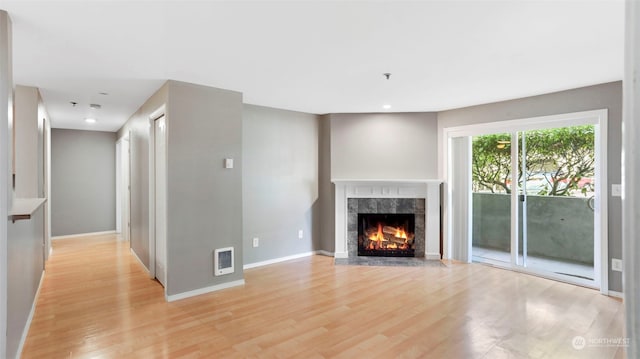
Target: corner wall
204,199
397,146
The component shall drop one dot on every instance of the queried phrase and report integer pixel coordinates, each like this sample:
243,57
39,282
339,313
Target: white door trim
161,111
123,187
119,185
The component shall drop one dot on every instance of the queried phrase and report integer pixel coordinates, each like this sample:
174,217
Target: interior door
160,188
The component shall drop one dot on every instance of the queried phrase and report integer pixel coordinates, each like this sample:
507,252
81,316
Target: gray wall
372,146
607,96
25,263
384,146
26,133
204,200
138,128
21,242
82,182
280,182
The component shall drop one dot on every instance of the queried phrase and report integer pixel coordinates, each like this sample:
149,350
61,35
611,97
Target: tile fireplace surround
379,191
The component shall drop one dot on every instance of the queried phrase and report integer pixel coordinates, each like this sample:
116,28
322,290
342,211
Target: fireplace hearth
386,234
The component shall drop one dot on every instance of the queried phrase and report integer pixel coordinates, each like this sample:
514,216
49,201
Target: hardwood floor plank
97,302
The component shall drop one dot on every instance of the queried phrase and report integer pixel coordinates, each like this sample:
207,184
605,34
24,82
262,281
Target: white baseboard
139,261
213,288
341,255
82,235
27,325
613,293
322,252
277,260
432,256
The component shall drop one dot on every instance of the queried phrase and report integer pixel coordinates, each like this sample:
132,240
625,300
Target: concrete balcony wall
557,227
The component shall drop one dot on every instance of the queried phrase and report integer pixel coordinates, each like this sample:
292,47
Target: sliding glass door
491,169
533,203
556,172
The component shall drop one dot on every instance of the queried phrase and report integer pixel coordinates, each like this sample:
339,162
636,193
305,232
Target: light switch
228,163
616,264
616,190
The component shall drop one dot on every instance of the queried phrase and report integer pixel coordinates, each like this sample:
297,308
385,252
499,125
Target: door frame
123,186
596,117
161,111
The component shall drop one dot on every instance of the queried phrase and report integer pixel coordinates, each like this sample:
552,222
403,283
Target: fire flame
377,239
378,236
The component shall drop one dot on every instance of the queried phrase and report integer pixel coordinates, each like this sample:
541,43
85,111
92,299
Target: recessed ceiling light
95,106
90,120
103,93
386,107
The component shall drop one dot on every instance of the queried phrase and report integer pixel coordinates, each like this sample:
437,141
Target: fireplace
373,223
386,234
419,198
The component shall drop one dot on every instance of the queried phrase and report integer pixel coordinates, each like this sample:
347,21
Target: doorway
530,195
123,188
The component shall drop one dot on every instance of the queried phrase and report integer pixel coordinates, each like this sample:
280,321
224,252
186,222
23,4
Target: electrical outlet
300,234
616,264
256,242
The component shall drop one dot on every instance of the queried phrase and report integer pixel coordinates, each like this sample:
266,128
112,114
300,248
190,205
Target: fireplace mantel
429,189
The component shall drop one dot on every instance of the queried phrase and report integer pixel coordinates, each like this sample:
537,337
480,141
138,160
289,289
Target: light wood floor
97,302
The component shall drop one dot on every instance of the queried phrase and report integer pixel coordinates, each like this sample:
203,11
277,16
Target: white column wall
6,122
631,178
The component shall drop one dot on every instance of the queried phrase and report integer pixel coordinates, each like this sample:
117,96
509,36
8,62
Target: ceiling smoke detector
95,106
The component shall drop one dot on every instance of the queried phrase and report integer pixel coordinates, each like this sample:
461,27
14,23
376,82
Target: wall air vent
223,261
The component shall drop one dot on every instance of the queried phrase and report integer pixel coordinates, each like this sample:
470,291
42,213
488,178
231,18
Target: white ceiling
311,56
